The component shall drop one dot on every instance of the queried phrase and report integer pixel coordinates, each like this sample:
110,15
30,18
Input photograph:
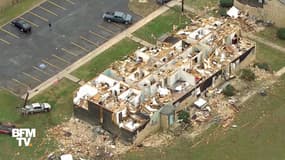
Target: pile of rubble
262,74
81,139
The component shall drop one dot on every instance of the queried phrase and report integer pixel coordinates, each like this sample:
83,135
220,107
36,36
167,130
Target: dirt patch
143,7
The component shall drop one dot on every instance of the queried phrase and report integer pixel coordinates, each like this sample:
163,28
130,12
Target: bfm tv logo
23,135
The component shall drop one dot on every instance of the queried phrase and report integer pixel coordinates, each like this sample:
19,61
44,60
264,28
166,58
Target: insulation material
178,46
85,90
115,89
233,12
199,33
104,79
131,125
66,157
163,91
143,55
200,103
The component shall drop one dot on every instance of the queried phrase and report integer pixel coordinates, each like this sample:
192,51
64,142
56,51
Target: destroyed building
149,86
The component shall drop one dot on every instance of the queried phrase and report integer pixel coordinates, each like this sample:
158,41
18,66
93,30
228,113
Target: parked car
161,2
6,129
22,25
118,17
36,108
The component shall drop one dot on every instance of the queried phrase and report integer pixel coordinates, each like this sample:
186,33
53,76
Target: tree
281,33
226,3
223,11
263,66
229,90
247,74
183,115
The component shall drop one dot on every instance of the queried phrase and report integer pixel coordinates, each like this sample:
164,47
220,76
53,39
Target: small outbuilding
167,116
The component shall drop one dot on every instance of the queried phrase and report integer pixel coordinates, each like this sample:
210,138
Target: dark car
22,25
118,17
6,129
161,2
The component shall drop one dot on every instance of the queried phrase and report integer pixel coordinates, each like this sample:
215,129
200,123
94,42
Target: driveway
76,29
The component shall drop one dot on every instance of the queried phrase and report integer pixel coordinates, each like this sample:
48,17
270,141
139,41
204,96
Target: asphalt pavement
77,28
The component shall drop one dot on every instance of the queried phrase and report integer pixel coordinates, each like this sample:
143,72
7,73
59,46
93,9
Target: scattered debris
81,139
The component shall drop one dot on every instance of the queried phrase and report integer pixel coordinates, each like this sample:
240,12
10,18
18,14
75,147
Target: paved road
27,60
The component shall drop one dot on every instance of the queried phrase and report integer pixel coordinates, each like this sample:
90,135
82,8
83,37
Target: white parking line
21,83
42,71
4,41
106,29
48,11
77,45
57,5
98,35
68,52
40,17
32,23
32,77
89,41
61,59
11,34
53,65
69,1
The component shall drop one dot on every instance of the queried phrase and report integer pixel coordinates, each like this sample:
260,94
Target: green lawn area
270,33
199,4
259,135
59,96
161,25
102,61
275,58
13,11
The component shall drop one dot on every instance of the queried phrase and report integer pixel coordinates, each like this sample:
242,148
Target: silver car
36,108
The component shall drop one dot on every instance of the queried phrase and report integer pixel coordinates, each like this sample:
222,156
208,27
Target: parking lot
76,29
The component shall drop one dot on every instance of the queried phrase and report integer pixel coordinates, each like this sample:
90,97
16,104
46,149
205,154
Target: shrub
263,65
247,74
226,3
183,115
281,33
223,11
229,90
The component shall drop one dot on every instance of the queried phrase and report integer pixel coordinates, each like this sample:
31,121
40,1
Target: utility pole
182,6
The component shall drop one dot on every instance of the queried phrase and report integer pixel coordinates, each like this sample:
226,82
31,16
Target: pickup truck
118,17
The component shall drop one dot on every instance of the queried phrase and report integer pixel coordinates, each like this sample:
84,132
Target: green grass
200,4
59,96
270,34
161,25
259,135
275,58
102,61
11,12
